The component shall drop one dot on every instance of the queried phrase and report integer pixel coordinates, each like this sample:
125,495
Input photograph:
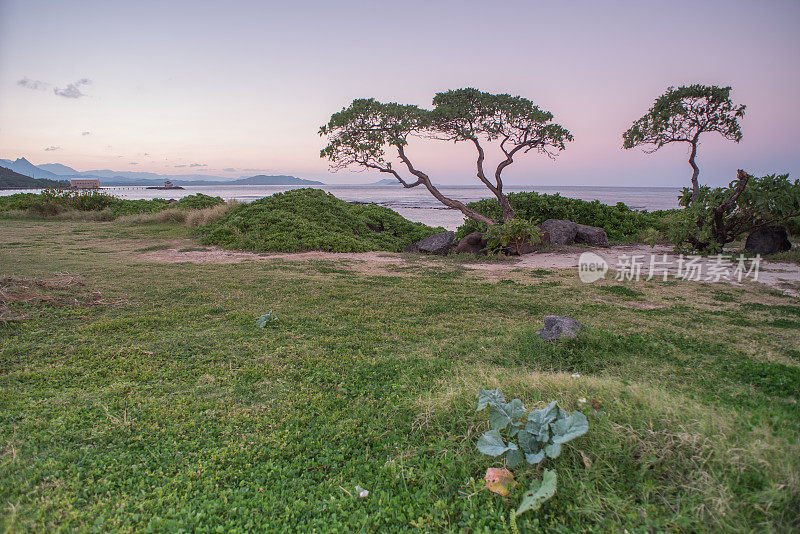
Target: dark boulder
591,235
561,232
473,243
556,327
440,243
768,240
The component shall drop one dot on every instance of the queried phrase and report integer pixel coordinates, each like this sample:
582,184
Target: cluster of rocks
553,232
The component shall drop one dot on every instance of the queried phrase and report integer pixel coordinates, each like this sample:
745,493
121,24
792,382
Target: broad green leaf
569,428
492,443
514,458
489,396
499,416
517,409
552,450
535,458
528,442
539,493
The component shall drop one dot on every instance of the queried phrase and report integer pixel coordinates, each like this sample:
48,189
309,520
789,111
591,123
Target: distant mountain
59,169
108,177
25,167
14,180
385,181
262,179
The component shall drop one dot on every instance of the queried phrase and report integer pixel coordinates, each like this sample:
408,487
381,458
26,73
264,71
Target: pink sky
246,85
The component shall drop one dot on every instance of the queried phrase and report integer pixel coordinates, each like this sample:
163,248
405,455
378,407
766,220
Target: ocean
417,204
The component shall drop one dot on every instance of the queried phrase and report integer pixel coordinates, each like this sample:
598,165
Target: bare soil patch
784,277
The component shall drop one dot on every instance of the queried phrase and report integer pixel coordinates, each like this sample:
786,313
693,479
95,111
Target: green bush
310,219
722,215
54,202
620,222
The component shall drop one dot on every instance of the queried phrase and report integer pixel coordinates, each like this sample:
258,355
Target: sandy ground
623,262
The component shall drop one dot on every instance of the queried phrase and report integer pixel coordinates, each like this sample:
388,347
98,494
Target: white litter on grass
576,375
361,492
582,400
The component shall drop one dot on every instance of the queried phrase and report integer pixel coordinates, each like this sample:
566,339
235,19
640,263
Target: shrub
724,214
620,222
514,233
199,201
310,219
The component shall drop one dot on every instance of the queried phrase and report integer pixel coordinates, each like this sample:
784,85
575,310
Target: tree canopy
361,134
683,115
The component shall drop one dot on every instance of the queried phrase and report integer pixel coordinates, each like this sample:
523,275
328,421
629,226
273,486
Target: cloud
86,133
229,169
51,148
255,170
198,165
147,154
72,90
35,85
180,165
134,163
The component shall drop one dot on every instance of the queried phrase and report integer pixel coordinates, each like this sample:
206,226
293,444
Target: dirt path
621,260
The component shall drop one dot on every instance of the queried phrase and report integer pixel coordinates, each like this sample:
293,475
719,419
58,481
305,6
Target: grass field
146,399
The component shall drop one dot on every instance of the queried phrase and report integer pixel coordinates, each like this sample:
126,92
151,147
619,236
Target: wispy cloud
180,166
52,148
134,163
229,169
35,85
198,165
255,170
72,90
86,133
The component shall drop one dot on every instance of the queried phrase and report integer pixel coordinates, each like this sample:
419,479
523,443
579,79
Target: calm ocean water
417,204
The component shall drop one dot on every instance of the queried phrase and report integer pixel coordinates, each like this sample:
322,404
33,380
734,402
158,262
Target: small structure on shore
167,185
84,183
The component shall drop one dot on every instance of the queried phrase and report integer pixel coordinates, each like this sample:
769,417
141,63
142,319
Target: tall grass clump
619,221
100,206
202,217
310,219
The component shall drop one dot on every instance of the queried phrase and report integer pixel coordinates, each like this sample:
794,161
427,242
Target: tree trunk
695,173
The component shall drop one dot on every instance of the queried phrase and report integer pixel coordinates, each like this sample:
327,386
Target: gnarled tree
682,115
361,134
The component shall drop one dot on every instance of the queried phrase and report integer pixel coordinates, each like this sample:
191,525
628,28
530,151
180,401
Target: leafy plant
722,215
514,233
530,437
266,319
619,221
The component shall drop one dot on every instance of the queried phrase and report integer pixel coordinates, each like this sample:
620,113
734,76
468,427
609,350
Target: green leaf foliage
540,492
709,223
311,219
619,221
683,114
538,434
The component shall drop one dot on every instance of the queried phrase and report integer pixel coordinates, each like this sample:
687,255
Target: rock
561,232
556,327
768,240
473,243
440,243
591,235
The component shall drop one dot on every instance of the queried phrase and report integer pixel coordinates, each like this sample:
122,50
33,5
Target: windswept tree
368,134
681,115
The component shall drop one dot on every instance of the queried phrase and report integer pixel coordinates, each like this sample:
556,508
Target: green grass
160,406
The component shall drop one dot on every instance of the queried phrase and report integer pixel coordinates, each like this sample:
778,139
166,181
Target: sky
238,88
